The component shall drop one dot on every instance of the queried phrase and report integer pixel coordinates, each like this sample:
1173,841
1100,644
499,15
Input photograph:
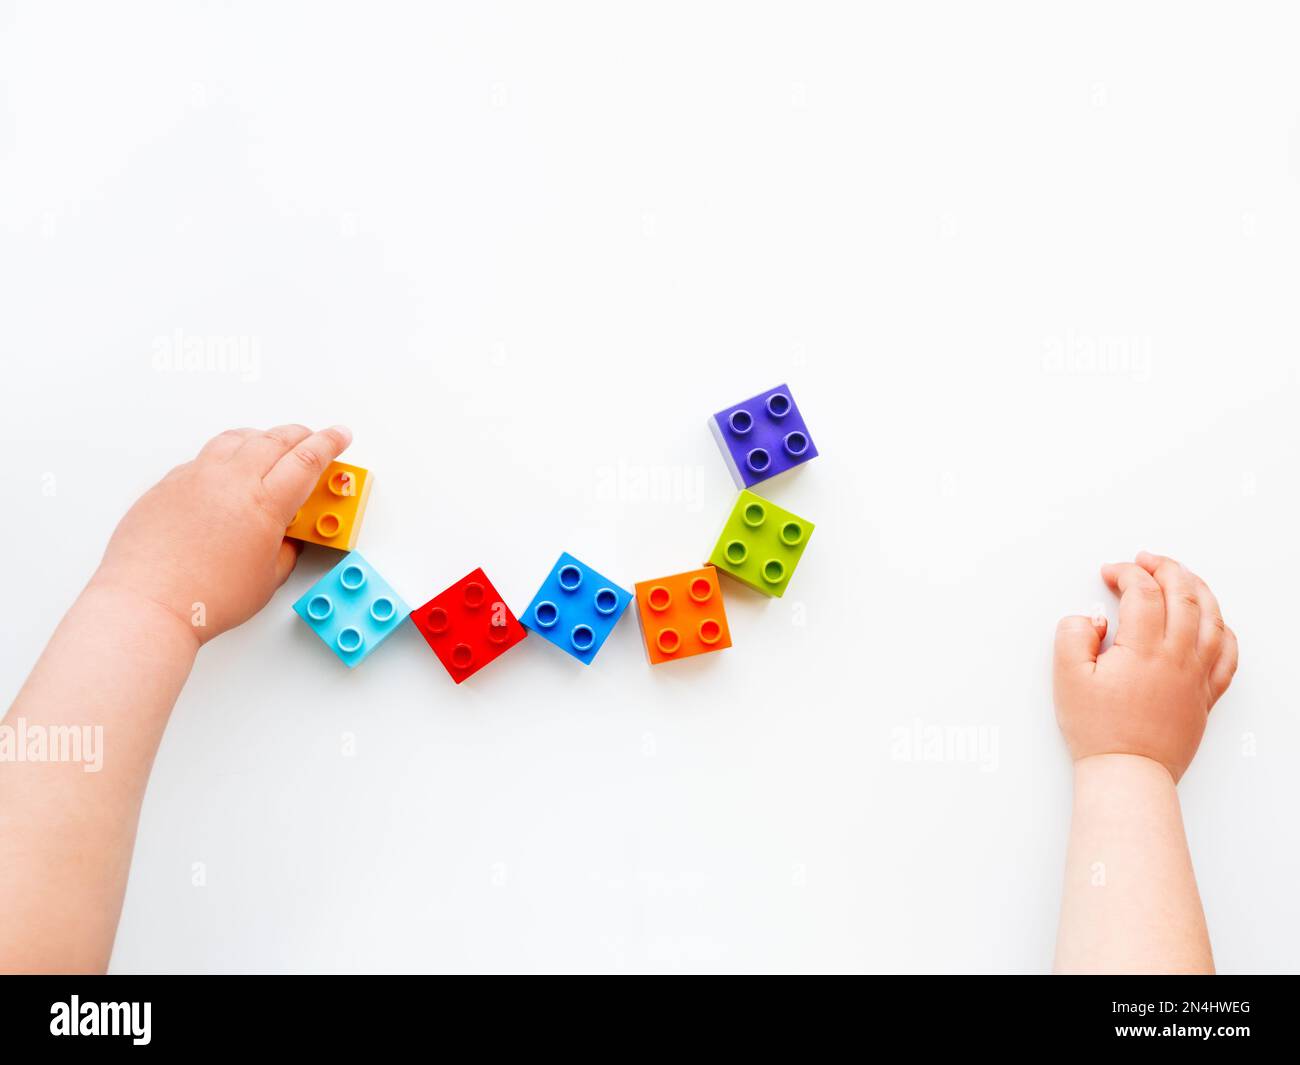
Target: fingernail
343,431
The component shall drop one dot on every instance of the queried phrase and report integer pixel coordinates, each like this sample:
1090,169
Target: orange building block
682,615
333,512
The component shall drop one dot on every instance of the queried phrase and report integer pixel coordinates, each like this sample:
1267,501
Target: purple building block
763,436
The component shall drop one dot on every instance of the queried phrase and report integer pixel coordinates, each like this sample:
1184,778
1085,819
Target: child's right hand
1150,693
207,542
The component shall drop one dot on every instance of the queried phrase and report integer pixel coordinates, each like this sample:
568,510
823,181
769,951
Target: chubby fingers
290,480
1141,605
261,451
1182,603
1078,642
1212,635
222,446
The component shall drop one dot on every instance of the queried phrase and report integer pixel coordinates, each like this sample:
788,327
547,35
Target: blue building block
763,436
576,608
352,609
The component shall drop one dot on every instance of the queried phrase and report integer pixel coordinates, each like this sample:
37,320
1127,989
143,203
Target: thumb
290,481
1078,641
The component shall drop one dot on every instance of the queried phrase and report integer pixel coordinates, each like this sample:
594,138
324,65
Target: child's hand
207,542
1148,694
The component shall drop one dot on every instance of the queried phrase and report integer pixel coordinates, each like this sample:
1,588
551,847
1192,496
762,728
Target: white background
1030,271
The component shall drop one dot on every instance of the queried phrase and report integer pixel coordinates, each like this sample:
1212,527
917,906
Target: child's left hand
207,542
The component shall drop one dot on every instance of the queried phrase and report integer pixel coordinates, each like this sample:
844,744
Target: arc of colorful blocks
468,625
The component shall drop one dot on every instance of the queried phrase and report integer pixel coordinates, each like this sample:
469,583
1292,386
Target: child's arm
1133,717
199,553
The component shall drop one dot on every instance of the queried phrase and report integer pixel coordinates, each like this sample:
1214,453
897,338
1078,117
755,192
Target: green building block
761,544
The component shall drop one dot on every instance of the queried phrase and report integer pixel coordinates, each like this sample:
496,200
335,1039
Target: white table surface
1031,275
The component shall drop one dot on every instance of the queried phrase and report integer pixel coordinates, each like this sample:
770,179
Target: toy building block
576,608
761,544
763,436
468,625
352,609
333,512
682,615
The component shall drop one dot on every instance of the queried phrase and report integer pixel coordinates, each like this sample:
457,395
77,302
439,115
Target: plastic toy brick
761,544
352,609
682,615
333,512
576,608
468,625
763,436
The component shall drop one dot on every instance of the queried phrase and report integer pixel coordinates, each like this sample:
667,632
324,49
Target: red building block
468,625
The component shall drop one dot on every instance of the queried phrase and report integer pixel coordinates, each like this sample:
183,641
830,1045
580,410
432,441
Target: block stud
778,404
668,641
319,607
796,444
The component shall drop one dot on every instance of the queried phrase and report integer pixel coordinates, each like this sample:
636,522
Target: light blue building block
352,609
576,608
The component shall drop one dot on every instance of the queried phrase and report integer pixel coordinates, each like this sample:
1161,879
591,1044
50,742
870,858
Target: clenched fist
1150,693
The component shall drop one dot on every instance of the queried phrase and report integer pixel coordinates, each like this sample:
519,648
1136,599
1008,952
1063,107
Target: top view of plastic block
352,609
763,436
576,608
333,512
468,625
682,615
761,544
